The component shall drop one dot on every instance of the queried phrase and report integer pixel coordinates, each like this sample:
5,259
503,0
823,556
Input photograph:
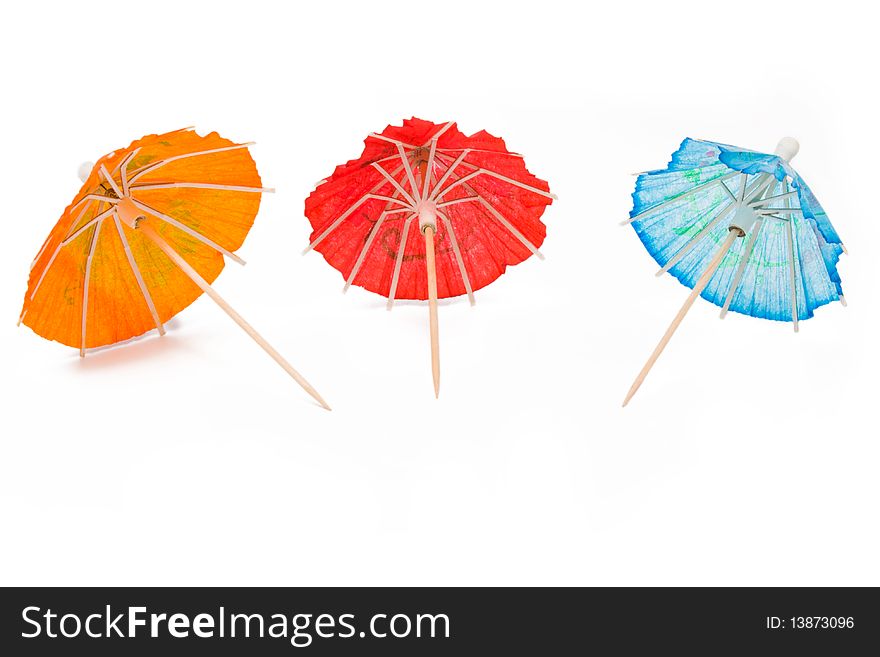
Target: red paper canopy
365,217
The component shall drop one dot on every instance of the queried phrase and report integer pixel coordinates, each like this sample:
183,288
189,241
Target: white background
748,457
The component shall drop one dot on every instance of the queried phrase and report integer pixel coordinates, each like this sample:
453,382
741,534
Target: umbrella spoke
780,210
396,142
50,263
684,250
677,197
510,227
336,222
149,168
375,231
186,229
394,182
464,199
742,187
86,278
404,144
779,197
391,199
72,224
94,197
440,132
500,217
123,174
366,197
429,170
137,275
416,194
438,194
399,260
40,252
457,251
450,168
789,230
194,185
763,183
692,242
743,263
111,182
97,219
478,150
729,193
516,183
363,253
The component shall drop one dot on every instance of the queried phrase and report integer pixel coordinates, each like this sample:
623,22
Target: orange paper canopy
97,280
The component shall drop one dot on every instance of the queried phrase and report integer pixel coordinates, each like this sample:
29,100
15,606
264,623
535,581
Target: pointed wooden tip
314,394
843,301
540,255
796,329
723,314
845,252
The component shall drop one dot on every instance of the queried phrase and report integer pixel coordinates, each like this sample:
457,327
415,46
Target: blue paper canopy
786,264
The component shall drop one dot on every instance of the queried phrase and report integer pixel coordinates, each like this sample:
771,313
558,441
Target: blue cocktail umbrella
691,216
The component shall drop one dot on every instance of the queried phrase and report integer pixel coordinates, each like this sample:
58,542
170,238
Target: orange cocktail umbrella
144,238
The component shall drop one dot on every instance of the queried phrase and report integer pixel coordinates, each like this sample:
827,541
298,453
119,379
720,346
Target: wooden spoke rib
85,227
678,197
495,213
110,181
364,251
194,185
743,263
396,184
186,229
86,279
149,168
458,258
138,276
398,261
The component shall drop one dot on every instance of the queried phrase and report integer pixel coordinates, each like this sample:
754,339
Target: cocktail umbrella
476,206
740,228
144,238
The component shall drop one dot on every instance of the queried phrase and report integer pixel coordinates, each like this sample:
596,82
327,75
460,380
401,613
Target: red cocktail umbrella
475,204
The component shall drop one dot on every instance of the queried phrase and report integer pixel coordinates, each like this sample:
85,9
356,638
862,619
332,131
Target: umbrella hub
128,212
743,219
427,210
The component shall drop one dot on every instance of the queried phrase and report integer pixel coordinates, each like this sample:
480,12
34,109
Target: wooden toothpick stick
698,288
432,307
148,231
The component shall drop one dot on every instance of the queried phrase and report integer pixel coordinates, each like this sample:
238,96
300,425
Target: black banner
445,621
